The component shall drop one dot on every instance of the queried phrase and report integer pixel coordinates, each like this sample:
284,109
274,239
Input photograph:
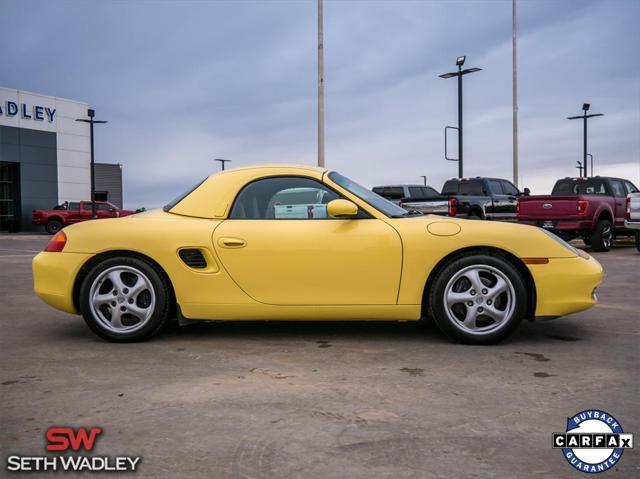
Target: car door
620,202
499,199
73,212
281,248
511,199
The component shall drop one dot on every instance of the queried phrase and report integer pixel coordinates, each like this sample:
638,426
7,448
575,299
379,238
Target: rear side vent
193,258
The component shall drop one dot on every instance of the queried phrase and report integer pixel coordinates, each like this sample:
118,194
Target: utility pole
459,74
591,158
584,117
91,113
424,179
222,162
514,43
320,86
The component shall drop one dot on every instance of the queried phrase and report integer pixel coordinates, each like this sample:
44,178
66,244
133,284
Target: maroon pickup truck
589,208
74,212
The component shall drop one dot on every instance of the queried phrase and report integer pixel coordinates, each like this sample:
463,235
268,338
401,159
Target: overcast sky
184,82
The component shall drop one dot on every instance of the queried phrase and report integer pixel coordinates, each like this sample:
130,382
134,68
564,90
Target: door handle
232,242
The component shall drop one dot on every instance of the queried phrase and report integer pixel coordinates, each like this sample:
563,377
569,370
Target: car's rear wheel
478,299
602,236
53,226
125,299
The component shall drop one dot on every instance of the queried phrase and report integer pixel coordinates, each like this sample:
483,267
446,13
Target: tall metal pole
424,179
460,151
585,117
93,174
591,158
584,140
320,87
514,40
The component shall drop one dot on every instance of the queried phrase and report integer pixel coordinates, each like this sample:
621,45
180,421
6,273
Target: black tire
163,303
475,215
602,236
586,239
452,327
638,240
53,226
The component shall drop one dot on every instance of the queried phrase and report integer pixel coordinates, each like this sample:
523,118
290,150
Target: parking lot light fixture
584,117
459,74
222,162
424,179
91,113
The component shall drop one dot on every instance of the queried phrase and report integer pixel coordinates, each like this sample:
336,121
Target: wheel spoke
100,299
470,318
474,277
456,298
138,312
496,290
137,288
116,280
116,318
496,314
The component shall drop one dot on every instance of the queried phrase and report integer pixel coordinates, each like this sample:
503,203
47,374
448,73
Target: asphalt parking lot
356,400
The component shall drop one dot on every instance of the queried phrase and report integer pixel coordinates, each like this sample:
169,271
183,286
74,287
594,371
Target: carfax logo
593,441
65,440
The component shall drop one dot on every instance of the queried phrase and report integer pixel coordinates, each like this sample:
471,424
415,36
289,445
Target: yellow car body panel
350,269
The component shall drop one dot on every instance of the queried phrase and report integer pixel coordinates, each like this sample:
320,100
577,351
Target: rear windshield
572,186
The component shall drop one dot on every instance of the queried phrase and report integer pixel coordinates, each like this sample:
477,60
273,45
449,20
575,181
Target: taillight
453,207
56,244
517,207
400,204
627,212
582,207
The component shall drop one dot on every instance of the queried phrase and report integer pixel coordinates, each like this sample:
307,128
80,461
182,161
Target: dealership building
45,158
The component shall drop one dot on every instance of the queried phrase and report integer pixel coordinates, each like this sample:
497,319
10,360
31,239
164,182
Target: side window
631,188
73,206
471,188
415,192
285,197
429,192
496,187
102,206
450,187
394,193
509,188
86,206
618,189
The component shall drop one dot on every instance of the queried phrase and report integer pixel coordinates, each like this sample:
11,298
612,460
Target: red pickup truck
589,208
74,212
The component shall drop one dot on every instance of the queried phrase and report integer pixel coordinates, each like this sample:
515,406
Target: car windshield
368,196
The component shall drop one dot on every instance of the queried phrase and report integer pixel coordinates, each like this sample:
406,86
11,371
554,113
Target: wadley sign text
35,112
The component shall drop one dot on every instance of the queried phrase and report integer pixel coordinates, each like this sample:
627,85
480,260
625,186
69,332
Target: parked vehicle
71,212
632,216
288,242
398,193
474,198
589,208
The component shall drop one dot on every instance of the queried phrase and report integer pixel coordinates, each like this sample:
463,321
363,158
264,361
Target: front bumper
565,285
54,275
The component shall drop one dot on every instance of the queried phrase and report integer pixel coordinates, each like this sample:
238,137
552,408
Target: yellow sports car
280,242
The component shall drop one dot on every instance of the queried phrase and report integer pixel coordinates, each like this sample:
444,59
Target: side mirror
342,209
526,192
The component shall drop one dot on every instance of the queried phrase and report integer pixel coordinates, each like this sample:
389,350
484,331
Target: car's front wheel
125,299
478,299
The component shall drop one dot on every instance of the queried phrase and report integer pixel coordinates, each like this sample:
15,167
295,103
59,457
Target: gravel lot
356,400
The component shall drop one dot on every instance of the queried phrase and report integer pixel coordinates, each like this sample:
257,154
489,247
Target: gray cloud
184,82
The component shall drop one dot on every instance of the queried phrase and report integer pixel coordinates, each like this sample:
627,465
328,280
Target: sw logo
65,438
69,442
593,441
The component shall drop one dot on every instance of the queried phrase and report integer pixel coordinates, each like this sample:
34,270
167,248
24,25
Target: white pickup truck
632,216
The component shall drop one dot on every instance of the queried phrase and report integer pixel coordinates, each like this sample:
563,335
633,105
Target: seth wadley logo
65,440
593,441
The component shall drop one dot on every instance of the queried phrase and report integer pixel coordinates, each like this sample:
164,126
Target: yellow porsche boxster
280,242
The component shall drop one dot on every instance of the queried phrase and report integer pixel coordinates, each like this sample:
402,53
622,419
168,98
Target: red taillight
57,243
582,207
453,207
627,212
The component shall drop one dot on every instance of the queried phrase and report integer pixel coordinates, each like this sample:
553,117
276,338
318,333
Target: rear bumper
632,225
54,275
561,225
565,285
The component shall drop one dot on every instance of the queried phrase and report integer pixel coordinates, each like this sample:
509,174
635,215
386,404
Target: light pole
579,167
459,74
320,86
584,117
91,113
222,162
591,158
424,179
514,85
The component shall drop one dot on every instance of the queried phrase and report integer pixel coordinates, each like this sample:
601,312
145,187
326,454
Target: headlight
576,251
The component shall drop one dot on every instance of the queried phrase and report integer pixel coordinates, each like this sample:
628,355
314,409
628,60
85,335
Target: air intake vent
193,258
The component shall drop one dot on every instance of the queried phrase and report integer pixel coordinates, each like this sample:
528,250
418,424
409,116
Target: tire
53,226
147,307
475,215
602,236
638,241
586,239
467,274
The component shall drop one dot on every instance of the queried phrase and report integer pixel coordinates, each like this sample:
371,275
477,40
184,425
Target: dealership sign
36,112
